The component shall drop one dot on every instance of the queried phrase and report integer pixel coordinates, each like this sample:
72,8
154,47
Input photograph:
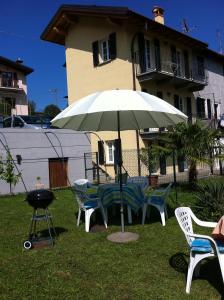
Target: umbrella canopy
117,110
137,110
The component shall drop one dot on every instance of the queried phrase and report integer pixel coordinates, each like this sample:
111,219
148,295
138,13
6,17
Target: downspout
134,89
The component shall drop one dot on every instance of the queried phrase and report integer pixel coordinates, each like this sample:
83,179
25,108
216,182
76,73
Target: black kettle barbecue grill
39,199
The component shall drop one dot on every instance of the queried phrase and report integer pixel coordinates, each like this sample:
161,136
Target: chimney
19,60
158,13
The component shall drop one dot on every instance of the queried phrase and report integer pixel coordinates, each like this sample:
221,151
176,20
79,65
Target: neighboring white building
210,100
13,87
57,156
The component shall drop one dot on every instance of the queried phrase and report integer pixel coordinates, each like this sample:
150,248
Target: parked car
32,122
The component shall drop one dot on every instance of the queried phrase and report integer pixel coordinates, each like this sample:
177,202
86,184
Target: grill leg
48,218
32,225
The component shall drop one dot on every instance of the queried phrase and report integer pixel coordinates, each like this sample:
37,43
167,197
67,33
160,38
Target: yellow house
116,48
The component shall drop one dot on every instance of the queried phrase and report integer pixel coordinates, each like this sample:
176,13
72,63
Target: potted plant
39,184
148,157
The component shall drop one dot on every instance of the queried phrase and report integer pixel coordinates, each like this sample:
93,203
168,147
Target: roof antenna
185,27
219,38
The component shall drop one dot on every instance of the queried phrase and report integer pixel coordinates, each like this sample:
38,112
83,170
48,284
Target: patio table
132,195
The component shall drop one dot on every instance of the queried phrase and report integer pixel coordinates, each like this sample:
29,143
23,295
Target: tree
32,107
52,110
195,143
7,171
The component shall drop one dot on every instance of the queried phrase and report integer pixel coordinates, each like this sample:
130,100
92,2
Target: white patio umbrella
116,110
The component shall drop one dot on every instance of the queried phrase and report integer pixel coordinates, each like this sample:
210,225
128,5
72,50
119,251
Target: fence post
97,169
85,165
174,174
138,153
220,162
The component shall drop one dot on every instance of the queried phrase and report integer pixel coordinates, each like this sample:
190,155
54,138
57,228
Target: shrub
210,199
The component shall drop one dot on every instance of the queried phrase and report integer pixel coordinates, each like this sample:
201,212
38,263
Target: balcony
9,85
166,72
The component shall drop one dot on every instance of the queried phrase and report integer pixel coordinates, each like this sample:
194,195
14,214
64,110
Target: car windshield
36,120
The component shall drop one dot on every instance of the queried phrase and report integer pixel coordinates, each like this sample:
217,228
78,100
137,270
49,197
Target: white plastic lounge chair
201,246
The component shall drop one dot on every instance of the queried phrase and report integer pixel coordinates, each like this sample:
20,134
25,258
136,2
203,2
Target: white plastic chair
201,246
158,200
86,203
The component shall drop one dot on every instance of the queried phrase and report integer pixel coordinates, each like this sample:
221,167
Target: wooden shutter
200,107
209,109
112,46
176,101
95,47
162,164
141,47
180,162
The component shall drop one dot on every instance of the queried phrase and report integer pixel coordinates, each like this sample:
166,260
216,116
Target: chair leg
129,215
162,214
79,215
144,212
190,274
104,216
194,260
88,214
221,263
166,213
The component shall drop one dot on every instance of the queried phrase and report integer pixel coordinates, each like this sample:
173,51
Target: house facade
116,48
210,100
13,87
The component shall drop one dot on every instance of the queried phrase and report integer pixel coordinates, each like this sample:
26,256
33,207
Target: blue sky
22,22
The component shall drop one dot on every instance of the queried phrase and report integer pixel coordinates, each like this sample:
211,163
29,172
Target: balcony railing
8,83
161,68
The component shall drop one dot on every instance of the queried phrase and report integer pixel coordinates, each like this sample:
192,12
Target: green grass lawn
86,266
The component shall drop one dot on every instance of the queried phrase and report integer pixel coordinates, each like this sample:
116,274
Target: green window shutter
176,101
112,46
95,47
141,47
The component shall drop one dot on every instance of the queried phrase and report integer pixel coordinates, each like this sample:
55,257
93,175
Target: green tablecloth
132,195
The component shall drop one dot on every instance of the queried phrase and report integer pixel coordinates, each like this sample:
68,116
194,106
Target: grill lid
40,198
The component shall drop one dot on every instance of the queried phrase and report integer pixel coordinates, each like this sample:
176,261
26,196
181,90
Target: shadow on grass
59,230
209,270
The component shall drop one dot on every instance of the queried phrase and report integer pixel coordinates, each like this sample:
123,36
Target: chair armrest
203,223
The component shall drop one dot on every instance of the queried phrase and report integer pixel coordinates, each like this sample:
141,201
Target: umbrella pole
120,173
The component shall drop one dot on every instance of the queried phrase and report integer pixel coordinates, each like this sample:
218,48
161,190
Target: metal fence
170,168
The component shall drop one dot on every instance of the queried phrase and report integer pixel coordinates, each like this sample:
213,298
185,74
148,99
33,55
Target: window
7,123
147,54
200,66
176,61
178,102
104,50
17,122
201,108
7,79
110,152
